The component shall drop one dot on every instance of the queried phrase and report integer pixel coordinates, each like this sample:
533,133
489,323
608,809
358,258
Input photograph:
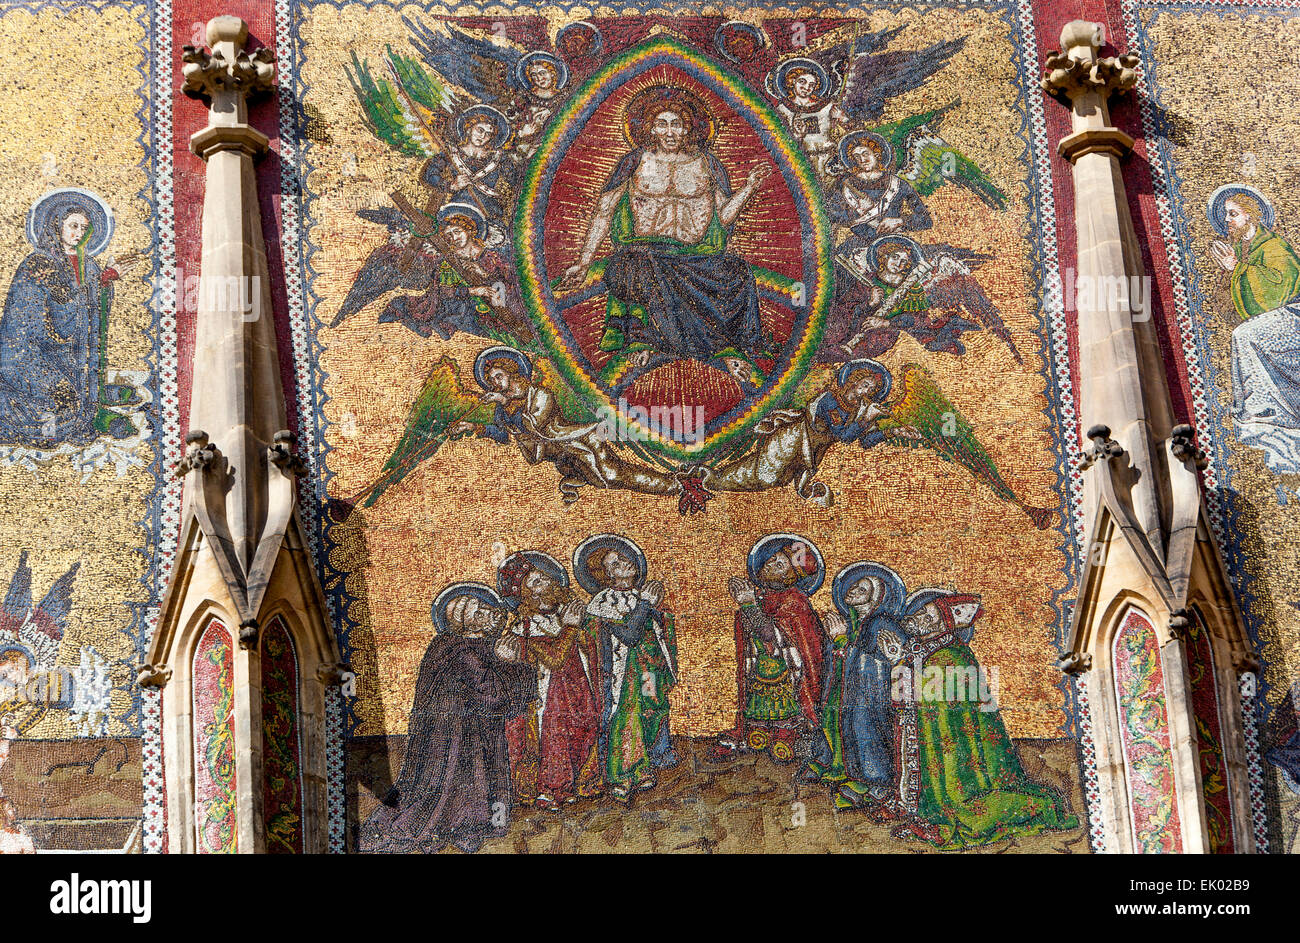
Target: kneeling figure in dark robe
454,787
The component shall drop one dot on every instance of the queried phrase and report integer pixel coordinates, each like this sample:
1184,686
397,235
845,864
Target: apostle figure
53,386
668,209
454,787
960,783
638,656
780,649
559,738
1263,273
857,757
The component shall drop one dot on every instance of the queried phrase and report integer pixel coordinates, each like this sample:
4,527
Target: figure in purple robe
454,787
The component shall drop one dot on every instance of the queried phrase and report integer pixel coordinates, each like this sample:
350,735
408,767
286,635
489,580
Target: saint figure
638,654
1263,273
780,649
53,372
454,787
559,739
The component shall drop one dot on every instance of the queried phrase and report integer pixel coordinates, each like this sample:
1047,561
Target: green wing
441,402
386,113
928,162
924,407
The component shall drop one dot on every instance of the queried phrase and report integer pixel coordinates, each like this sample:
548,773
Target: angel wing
840,58
952,287
923,406
39,629
482,67
928,162
443,401
388,102
875,78
395,264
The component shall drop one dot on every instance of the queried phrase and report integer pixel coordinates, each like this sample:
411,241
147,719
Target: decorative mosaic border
168,436
158,526
1209,410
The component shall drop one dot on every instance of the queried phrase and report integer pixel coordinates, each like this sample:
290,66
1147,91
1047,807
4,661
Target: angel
870,198
30,636
789,445
895,285
454,264
533,409
529,85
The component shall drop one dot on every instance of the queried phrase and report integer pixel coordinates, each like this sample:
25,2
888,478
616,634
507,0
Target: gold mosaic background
68,117
474,502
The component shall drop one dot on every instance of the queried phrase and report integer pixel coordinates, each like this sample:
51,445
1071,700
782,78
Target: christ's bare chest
672,195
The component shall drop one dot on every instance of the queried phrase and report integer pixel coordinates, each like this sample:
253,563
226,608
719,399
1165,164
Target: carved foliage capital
207,73
1075,77
1078,70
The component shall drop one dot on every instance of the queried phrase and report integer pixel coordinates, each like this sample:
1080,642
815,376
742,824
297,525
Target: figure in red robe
554,748
780,649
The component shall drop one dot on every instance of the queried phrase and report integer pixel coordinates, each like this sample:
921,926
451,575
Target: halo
875,366
850,140
538,561
465,209
499,352
618,542
539,55
849,576
912,247
757,557
598,41
668,94
803,62
498,121
66,198
480,591
1216,210
731,27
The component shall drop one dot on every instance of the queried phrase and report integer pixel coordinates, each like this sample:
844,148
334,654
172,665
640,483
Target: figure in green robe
638,652
960,781
1264,282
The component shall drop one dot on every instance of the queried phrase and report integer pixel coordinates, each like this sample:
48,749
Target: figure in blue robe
857,753
52,383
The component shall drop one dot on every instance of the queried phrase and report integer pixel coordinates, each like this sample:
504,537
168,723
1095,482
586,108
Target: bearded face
926,622
1239,219
778,572
541,595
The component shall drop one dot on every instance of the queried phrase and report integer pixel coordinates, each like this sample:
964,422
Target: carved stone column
242,560
1116,342
1148,547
